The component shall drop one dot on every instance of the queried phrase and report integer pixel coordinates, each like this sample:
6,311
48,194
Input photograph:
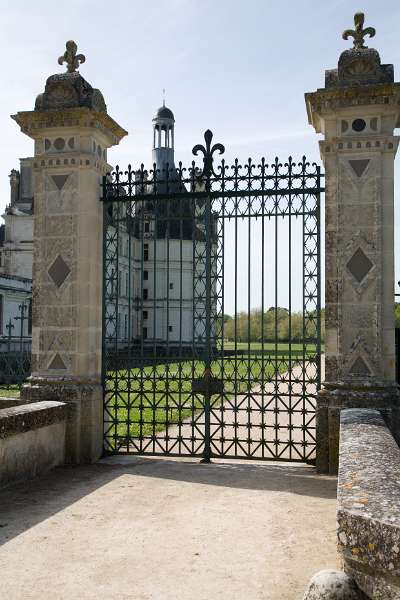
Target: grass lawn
14,391
149,400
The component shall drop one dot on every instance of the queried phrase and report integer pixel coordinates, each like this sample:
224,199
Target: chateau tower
163,139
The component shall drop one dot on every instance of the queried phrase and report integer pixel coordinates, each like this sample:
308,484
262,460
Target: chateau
16,242
154,277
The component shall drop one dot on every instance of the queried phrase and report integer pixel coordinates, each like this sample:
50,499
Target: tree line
397,314
274,323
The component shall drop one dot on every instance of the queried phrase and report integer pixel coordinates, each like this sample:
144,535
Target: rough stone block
369,503
332,585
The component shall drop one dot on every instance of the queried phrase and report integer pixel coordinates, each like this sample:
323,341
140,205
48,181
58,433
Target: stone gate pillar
357,111
72,132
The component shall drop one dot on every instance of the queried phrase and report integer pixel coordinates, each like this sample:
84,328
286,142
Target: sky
238,68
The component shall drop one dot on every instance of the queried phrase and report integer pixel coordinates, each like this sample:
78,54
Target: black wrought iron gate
212,315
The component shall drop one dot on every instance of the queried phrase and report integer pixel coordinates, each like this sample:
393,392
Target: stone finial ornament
71,57
358,33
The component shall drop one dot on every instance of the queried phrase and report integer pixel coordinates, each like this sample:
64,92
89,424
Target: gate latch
207,385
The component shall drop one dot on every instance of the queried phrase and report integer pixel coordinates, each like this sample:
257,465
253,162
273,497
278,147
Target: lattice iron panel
212,314
15,348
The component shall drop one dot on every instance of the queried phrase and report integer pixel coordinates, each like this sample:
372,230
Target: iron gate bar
202,202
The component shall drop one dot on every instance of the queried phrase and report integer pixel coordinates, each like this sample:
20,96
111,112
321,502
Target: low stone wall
8,401
32,439
368,514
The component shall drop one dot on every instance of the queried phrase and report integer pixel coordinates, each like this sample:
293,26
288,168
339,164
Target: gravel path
272,424
161,529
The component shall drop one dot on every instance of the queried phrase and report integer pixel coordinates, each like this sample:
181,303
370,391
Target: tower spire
163,93
163,137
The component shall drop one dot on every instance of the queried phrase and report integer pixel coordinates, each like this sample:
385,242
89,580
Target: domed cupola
163,139
164,113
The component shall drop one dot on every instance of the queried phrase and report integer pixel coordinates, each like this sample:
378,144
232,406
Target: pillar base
84,434
336,396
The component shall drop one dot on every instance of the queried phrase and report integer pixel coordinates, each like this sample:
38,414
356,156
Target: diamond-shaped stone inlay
60,180
359,265
57,363
360,367
359,166
59,271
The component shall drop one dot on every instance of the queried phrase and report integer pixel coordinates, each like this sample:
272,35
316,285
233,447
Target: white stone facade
16,251
150,298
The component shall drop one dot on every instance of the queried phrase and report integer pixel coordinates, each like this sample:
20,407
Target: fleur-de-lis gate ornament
70,57
207,385
208,159
358,33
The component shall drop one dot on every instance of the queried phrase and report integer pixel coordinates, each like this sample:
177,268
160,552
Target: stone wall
32,440
368,513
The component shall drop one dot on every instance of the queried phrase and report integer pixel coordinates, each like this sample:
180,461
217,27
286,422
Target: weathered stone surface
32,440
333,399
84,399
357,111
359,66
8,402
332,585
72,132
27,417
69,90
369,503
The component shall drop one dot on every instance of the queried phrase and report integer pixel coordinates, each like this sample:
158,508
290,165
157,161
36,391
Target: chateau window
119,283
126,284
171,286
145,315
144,333
146,227
126,326
145,252
145,275
170,328
145,293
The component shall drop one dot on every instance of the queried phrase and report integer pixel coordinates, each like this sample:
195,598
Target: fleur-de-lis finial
208,152
71,57
358,33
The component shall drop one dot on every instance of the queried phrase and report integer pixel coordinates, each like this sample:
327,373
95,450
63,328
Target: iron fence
15,350
181,248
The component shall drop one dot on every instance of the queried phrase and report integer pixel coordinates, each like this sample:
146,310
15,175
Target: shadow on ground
24,505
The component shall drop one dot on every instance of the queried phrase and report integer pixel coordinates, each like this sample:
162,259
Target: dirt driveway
162,529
